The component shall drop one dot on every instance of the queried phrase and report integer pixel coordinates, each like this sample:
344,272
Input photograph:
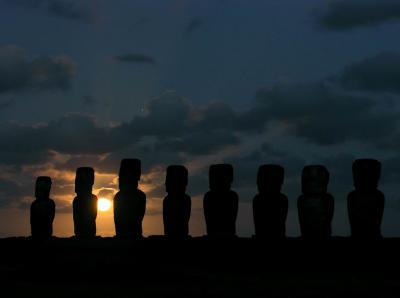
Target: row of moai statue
270,206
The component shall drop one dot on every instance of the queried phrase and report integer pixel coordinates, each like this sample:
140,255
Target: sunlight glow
103,204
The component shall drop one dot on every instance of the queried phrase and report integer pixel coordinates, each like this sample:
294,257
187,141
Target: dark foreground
199,267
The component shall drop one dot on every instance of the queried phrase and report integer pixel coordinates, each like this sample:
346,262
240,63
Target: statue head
270,178
366,174
176,179
42,187
129,173
220,176
314,179
84,180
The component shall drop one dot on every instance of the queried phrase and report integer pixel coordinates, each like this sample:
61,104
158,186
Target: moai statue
177,204
129,202
315,205
43,209
221,203
366,203
270,206
84,204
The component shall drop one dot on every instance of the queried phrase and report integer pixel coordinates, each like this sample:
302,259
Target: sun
103,204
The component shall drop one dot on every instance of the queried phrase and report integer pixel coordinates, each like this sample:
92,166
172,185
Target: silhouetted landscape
220,204
187,148
219,264
200,267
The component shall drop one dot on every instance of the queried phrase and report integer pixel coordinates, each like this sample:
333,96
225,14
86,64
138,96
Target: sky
293,82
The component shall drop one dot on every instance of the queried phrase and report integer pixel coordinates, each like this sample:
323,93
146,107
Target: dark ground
199,267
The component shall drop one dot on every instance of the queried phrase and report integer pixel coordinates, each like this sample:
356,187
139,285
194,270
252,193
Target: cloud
106,193
344,15
321,114
172,131
166,115
135,58
199,143
35,144
21,145
84,11
380,73
170,125
193,25
52,72
151,154
73,10
17,73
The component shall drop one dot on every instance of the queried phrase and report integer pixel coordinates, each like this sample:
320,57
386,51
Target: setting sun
104,204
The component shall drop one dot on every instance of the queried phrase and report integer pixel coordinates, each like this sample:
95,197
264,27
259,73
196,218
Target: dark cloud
182,128
83,10
21,145
199,143
73,10
135,58
218,115
51,73
170,127
197,184
174,131
316,112
106,193
81,134
72,134
79,160
17,73
380,73
150,153
322,114
193,25
167,115
347,14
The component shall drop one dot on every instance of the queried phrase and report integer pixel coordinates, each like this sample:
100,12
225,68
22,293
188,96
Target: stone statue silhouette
366,203
177,204
315,205
84,204
221,203
270,206
129,202
43,209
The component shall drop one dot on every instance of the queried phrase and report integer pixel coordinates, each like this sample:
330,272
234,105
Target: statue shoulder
141,194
